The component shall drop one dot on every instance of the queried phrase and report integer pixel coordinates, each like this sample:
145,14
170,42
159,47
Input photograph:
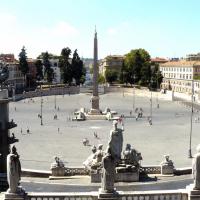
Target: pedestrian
58,130
15,109
21,130
130,113
28,131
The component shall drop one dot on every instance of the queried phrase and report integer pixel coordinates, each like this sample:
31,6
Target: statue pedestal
20,195
119,177
167,169
108,195
58,171
192,193
12,196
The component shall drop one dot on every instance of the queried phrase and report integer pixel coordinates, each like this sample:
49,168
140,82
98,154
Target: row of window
181,76
187,84
176,69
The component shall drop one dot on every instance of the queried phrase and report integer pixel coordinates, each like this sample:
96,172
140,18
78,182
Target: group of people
27,131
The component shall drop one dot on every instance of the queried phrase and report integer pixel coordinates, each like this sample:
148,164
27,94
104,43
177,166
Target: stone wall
48,92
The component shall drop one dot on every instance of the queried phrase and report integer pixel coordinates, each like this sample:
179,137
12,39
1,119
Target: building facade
15,79
112,62
181,76
56,70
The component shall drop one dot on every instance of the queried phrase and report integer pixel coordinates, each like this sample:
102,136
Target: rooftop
181,63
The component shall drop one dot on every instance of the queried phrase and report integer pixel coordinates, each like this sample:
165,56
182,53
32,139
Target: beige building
179,75
112,62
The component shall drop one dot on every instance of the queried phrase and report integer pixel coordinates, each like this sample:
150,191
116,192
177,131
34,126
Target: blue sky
167,28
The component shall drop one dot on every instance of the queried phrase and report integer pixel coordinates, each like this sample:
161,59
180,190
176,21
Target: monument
95,94
14,191
126,167
95,112
194,189
5,138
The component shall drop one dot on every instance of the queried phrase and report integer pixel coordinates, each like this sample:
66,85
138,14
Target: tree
48,71
39,70
23,64
77,68
65,66
111,75
136,66
101,79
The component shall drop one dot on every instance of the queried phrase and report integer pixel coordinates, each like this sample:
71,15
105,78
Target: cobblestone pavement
169,133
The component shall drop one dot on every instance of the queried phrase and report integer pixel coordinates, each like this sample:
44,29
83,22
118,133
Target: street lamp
191,116
133,93
55,101
157,89
41,106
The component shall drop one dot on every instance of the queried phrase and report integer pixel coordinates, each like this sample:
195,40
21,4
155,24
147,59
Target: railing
76,171
63,196
141,195
156,169
155,195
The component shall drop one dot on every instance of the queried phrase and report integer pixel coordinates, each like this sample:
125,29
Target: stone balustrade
155,195
151,169
63,196
140,195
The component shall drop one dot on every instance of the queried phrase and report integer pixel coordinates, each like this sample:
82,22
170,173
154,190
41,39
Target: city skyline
164,29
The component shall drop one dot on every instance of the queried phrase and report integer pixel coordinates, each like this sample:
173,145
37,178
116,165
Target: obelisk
95,95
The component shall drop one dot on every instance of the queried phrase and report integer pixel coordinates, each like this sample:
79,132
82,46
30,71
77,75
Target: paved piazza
169,133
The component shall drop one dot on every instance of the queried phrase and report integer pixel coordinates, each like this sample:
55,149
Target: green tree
101,79
77,68
136,66
111,75
23,64
39,70
48,71
65,66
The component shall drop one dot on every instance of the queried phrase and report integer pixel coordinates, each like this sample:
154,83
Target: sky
165,28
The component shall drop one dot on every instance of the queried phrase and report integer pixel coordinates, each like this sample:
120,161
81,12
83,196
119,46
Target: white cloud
112,31
64,29
35,38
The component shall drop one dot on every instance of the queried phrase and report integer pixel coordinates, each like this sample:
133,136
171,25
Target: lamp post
41,106
191,116
55,101
133,93
157,90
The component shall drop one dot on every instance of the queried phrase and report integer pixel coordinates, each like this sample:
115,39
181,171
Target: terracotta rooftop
159,60
180,63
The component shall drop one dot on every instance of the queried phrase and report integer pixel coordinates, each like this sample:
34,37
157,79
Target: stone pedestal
20,195
95,106
119,177
12,196
108,196
192,193
58,171
167,169
167,166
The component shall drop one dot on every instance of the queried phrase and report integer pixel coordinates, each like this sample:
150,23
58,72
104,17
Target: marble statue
99,154
131,156
13,170
196,169
108,173
116,141
94,161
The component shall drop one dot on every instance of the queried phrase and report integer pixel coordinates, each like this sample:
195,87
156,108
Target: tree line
72,69
137,68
